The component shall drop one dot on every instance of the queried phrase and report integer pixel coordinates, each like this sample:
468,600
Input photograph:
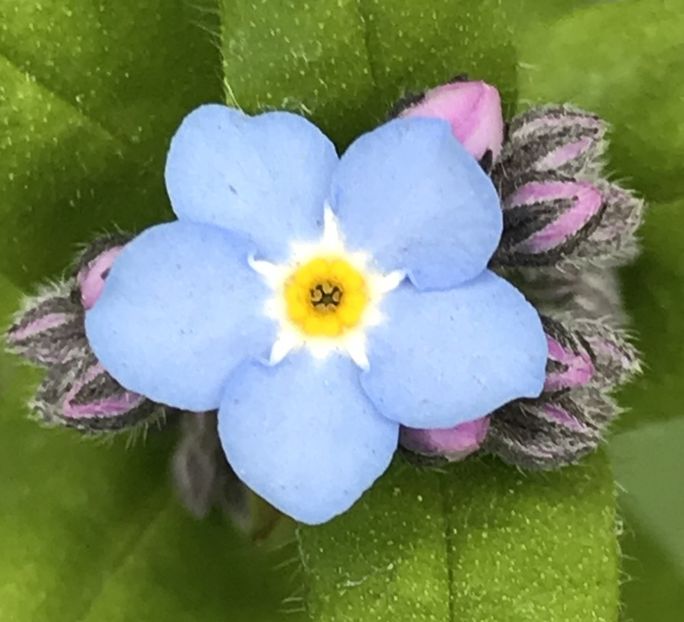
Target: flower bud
587,359
77,392
613,241
540,435
91,278
472,108
202,477
585,353
545,221
558,139
82,395
613,359
451,443
569,368
197,462
48,328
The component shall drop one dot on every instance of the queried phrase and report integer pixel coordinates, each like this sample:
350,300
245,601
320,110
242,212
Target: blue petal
266,176
444,358
181,308
410,195
304,436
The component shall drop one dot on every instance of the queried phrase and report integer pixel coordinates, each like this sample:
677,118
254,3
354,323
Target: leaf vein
365,19
79,110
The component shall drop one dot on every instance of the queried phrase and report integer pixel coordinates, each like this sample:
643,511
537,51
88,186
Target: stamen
325,296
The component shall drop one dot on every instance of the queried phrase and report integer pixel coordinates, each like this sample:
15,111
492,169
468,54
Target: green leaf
93,532
480,541
623,60
89,96
647,452
344,64
654,292
653,582
648,466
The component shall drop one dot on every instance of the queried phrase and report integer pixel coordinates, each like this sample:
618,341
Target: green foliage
624,60
479,541
90,93
654,292
648,467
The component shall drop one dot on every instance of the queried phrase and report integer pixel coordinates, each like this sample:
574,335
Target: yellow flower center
326,296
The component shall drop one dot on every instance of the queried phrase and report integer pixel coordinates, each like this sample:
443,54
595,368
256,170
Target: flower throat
326,296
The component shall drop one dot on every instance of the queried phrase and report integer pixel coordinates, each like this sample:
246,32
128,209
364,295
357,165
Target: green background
90,92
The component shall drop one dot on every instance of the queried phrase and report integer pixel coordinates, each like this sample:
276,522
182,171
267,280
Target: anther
325,296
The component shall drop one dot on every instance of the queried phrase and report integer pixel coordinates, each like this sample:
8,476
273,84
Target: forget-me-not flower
319,302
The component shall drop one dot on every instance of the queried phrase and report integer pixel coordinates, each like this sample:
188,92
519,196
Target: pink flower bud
562,416
555,139
49,328
82,395
588,359
91,278
581,203
547,220
613,241
94,394
452,443
572,368
545,435
472,108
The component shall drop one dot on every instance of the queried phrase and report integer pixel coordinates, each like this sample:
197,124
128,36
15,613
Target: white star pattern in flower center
325,297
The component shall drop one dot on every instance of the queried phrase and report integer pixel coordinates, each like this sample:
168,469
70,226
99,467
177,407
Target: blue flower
319,302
